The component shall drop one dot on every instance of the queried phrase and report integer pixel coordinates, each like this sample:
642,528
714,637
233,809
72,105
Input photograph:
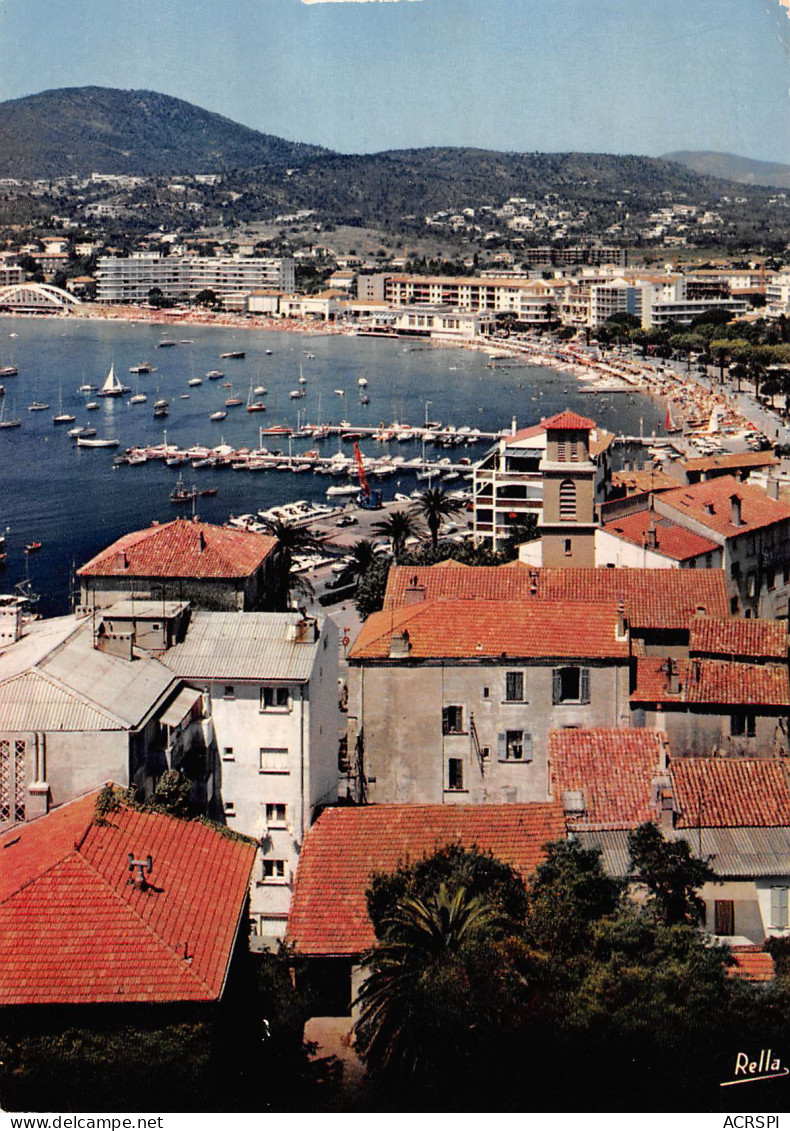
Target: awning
180,707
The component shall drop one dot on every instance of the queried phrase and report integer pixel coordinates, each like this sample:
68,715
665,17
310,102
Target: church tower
567,525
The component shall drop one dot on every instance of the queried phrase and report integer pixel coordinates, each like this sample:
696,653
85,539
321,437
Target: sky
360,76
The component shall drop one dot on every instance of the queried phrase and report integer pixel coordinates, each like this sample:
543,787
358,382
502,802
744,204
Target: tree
397,526
291,540
433,506
670,873
369,597
156,297
570,891
206,297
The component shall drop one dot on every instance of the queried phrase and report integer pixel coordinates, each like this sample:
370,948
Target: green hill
82,130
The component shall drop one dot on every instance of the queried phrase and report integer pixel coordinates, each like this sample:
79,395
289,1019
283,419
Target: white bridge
37,298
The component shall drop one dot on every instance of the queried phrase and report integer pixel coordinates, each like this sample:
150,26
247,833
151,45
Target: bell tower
568,523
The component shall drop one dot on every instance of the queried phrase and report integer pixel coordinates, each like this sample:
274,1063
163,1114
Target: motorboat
138,398
82,442
220,415
233,353
91,406
195,381
161,408
215,374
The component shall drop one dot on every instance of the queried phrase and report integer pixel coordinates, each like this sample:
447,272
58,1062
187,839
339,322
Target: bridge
37,298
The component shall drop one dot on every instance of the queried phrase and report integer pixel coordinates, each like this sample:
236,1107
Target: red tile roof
74,929
671,540
613,769
640,482
731,792
721,683
452,629
654,598
182,549
346,846
569,420
752,964
710,504
747,639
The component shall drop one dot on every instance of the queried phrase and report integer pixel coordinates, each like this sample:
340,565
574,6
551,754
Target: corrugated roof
39,639
746,852
73,929
242,646
181,706
35,701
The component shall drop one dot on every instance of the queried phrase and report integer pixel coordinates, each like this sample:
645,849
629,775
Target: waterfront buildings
129,280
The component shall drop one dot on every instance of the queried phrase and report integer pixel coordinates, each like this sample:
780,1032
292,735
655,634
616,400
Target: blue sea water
76,501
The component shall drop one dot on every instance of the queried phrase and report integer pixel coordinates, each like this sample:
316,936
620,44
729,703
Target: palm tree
397,526
422,945
291,540
433,505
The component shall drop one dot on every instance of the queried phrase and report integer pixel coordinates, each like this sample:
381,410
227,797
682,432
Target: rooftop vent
573,801
400,645
138,869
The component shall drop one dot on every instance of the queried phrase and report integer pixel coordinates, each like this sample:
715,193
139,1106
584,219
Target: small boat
233,353
296,394
91,405
161,408
195,381
165,343
112,387
64,418
75,432
184,397
233,401
31,547
215,374
276,430
86,433
138,398
340,392
8,371
208,491
145,367
82,442
218,415
257,405
37,406
364,399
269,352
86,388
182,494
363,382
311,356
260,391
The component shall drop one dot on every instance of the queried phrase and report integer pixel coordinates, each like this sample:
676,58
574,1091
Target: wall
407,754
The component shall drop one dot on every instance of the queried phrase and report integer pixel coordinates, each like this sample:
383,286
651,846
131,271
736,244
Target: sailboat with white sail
112,387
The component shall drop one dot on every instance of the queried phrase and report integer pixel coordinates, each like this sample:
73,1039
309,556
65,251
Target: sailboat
112,387
233,401
254,405
12,423
62,417
37,405
138,398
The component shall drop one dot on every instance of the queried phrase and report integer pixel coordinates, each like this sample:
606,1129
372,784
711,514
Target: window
452,720
778,908
571,685
734,606
12,779
486,692
275,813
274,760
455,773
227,754
275,699
274,871
735,570
751,584
724,917
742,724
567,500
230,808
514,687
568,547
515,746
229,692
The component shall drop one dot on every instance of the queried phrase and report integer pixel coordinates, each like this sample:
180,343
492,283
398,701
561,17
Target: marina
430,413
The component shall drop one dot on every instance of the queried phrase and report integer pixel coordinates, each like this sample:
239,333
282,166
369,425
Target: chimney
533,583
664,800
736,519
414,592
772,488
400,645
303,631
651,536
513,427
709,508
138,869
622,622
201,542
670,670
701,611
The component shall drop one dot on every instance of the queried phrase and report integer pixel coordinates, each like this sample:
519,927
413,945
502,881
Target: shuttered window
514,746
567,500
571,685
779,907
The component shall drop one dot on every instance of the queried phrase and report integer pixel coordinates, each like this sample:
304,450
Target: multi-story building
179,277
508,483
270,683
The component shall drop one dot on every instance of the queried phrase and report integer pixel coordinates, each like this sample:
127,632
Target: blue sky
615,76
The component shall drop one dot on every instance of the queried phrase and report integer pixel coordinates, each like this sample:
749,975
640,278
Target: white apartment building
130,279
777,295
271,682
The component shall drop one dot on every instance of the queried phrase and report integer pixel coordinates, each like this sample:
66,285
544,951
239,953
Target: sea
75,501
